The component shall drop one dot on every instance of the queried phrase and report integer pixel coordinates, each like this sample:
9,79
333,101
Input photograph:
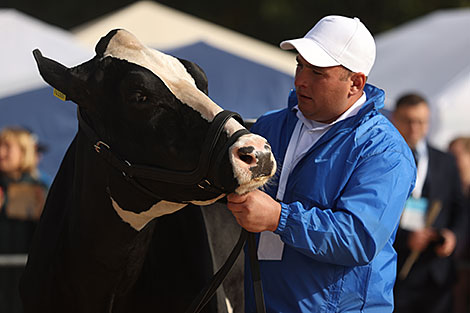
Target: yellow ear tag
59,94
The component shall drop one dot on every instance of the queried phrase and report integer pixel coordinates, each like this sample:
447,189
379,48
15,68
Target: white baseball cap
337,40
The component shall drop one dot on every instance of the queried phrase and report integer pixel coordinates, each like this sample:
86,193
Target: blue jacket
340,214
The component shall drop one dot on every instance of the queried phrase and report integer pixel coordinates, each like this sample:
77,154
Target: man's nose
300,78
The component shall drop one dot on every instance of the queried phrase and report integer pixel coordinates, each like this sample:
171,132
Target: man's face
412,122
322,92
462,157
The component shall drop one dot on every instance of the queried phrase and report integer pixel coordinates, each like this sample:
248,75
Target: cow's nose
258,162
247,155
264,165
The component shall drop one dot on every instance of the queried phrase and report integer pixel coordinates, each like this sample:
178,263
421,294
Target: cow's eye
139,97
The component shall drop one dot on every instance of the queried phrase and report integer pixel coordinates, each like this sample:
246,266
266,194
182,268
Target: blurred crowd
432,241
23,190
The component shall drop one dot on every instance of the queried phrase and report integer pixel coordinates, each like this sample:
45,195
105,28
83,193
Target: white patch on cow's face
139,220
123,45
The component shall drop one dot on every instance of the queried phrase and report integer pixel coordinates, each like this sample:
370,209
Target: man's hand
255,211
446,248
420,239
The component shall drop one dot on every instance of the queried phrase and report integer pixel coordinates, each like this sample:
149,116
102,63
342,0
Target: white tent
20,34
25,99
431,56
245,75
164,28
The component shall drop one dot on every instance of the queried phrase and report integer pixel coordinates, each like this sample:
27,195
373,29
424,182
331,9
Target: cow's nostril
245,154
248,159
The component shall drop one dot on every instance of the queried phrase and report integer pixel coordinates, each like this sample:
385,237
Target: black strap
160,174
208,292
255,274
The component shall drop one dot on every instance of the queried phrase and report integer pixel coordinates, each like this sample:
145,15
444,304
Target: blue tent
238,84
51,119
25,99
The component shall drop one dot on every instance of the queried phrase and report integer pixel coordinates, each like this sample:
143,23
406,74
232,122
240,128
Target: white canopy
431,56
25,99
20,34
164,28
245,75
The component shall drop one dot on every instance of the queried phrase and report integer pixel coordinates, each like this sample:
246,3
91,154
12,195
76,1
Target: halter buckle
204,184
98,146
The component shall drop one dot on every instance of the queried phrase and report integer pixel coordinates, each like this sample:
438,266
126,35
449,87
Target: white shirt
306,134
422,168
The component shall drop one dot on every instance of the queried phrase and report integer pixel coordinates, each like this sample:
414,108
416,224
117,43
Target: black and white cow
103,240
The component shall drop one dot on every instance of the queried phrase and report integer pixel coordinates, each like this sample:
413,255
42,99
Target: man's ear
358,81
71,82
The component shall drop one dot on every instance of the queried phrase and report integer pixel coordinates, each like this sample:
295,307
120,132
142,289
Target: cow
150,145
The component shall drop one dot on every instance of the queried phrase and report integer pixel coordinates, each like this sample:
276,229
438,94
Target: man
460,148
426,286
329,220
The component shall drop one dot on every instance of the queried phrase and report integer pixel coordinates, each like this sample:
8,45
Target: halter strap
197,177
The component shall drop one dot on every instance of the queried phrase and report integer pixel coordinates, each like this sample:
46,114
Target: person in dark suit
460,148
433,219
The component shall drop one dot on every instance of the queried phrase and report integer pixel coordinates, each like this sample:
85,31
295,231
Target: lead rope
208,292
255,274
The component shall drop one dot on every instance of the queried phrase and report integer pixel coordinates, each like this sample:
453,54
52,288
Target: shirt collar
314,125
421,148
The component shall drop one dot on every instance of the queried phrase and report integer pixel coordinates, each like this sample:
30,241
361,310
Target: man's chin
303,107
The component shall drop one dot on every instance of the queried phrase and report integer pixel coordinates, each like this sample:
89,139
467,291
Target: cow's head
152,109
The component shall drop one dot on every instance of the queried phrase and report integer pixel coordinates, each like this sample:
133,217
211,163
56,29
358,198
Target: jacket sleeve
365,216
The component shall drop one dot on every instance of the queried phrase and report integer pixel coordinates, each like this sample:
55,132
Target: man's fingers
234,198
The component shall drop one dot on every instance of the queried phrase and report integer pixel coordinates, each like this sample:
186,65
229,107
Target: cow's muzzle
253,162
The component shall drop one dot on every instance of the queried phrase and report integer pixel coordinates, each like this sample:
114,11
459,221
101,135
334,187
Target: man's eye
316,72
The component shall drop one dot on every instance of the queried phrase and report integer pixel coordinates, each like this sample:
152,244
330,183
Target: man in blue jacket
328,221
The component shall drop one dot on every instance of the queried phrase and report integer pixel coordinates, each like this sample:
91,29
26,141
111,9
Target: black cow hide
107,241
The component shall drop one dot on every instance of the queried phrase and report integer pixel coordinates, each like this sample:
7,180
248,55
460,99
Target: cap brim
310,51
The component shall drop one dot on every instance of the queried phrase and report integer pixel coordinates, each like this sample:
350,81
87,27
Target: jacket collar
375,96
374,102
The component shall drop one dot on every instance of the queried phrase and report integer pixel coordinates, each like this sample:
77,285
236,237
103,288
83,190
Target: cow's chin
251,185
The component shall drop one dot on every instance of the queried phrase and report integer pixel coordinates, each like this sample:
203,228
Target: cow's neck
134,207
105,254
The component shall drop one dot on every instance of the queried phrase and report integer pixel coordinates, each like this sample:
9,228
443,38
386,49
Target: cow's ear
197,73
70,82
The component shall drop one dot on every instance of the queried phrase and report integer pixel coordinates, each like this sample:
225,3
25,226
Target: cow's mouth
254,184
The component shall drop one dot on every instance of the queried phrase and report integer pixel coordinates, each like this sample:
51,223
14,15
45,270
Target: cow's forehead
123,45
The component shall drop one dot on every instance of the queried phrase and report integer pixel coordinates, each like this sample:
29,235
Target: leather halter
197,177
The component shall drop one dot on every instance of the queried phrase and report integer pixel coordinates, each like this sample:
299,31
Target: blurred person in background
460,148
40,149
22,197
427,286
